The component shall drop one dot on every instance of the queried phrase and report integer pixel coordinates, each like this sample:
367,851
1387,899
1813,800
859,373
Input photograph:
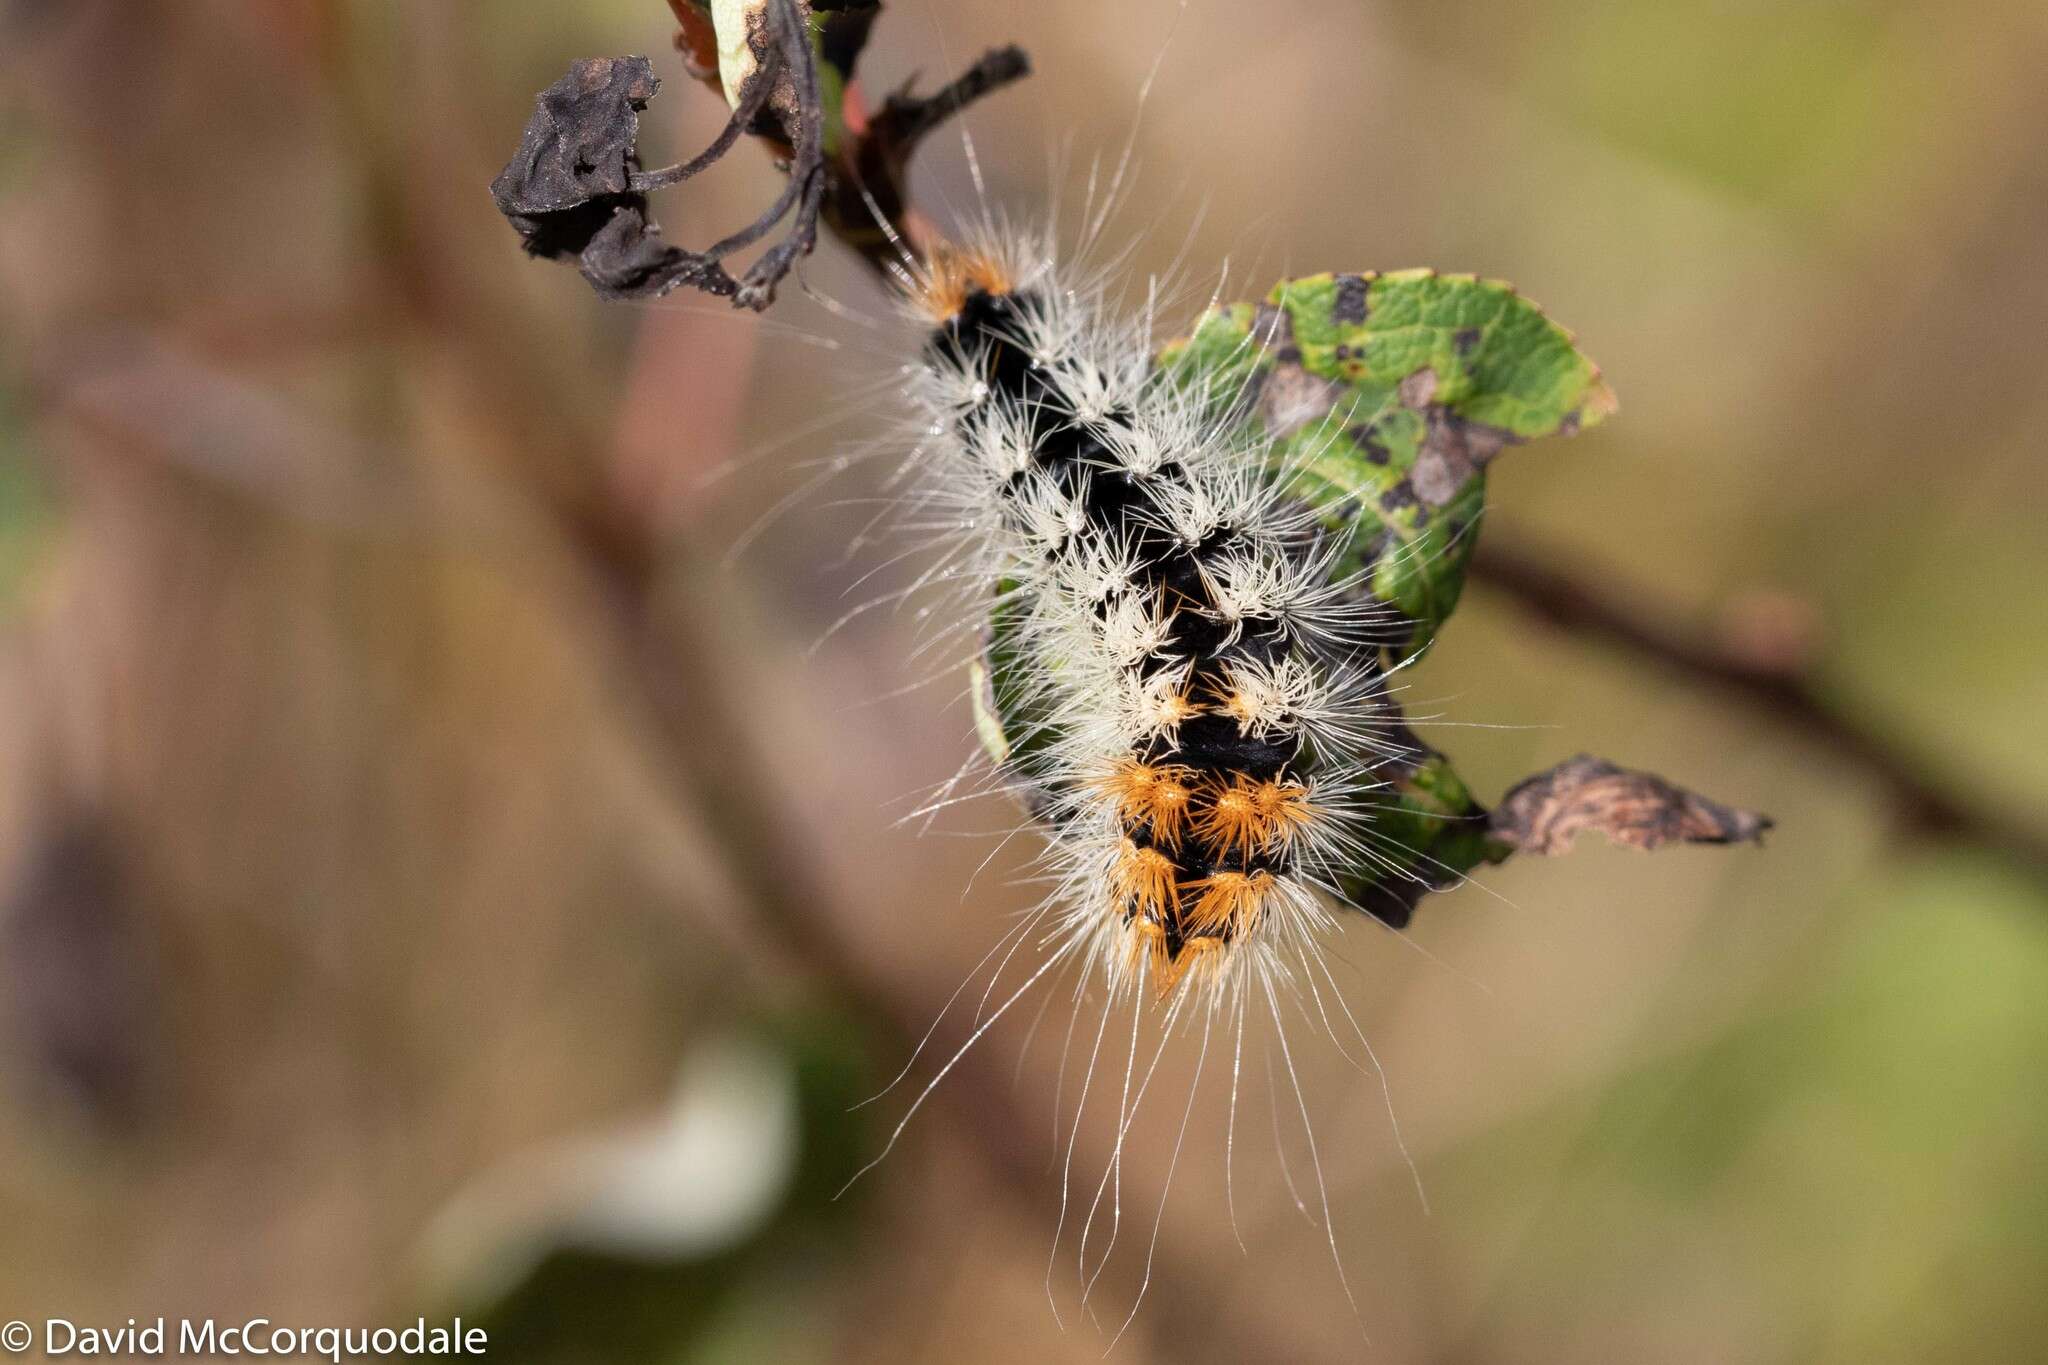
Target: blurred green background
437,875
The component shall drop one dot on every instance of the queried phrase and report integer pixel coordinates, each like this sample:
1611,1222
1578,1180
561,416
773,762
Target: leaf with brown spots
1385,397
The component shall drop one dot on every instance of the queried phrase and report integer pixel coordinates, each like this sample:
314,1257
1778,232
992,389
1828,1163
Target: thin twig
1788,693
866,205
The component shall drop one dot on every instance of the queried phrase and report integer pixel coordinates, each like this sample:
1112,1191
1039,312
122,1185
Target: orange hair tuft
952,275
1230,902
1146,882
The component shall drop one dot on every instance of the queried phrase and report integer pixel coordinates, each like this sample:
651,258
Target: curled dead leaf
1545,813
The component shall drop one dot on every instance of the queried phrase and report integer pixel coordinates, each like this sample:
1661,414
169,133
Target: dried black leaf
574,168
626,258
576,189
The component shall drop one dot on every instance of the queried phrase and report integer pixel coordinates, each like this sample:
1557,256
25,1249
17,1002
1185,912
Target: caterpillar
1201,721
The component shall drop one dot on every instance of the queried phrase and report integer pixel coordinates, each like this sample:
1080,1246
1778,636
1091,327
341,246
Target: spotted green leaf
1385,397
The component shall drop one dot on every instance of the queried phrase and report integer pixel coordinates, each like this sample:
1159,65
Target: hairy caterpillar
1202,719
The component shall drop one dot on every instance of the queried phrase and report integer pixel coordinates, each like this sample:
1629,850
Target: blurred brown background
436,880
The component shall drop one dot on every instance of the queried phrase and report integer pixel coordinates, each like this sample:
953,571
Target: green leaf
1428,832
1385,397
